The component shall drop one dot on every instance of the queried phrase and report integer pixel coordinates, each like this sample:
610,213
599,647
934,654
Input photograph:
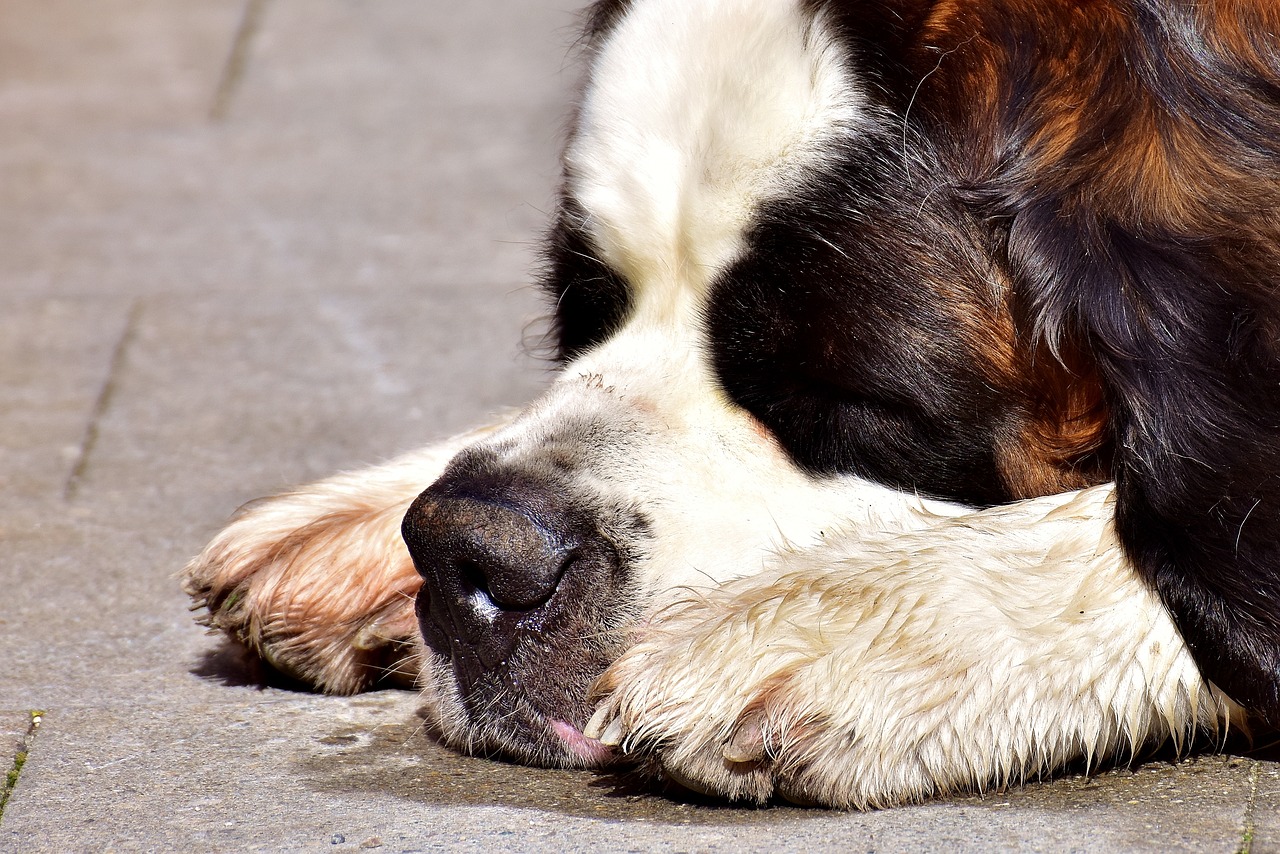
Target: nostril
473,578
522,583
474,586
504,588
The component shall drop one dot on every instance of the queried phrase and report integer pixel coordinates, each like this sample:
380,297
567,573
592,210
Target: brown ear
1142,201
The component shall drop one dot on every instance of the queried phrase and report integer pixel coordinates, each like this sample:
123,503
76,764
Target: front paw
851,680
714,704
318,583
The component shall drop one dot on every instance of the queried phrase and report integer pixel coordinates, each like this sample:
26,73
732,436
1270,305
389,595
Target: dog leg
877,670
318,581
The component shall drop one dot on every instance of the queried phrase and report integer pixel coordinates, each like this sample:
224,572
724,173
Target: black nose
493,552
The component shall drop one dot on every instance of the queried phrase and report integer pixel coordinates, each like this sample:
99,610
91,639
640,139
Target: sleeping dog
918,421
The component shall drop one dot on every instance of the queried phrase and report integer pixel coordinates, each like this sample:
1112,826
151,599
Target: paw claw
686,782
604,730
595,727
799,800
612,736
747,744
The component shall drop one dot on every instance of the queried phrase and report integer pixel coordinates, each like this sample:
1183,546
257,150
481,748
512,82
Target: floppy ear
1144,229
1184,330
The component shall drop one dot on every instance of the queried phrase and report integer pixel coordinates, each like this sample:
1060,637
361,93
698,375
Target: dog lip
589,750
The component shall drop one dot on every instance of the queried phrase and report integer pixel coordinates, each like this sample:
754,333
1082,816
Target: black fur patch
591,301
1151,240
834,332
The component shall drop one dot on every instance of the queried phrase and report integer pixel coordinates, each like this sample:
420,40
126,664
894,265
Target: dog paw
318,581
882,671
793,690
722,701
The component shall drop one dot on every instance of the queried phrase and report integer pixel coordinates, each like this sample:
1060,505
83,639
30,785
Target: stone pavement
244,243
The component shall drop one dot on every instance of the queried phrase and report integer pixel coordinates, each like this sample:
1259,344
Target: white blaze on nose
696,114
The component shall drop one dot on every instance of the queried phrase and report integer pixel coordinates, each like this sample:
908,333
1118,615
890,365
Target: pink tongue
587,749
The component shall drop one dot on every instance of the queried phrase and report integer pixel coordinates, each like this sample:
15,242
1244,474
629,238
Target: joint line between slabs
233,70
1249,824
10,781
71,487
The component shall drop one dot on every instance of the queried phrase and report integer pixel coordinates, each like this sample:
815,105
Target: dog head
760,309
801,277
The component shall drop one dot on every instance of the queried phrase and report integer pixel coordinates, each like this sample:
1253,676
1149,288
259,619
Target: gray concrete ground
245,244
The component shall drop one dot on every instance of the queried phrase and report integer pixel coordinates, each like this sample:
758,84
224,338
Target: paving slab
386,127
251,242
287,772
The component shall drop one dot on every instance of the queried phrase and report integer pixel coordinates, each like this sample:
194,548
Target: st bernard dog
917,429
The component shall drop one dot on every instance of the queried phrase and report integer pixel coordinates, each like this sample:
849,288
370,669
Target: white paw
715,694
879,671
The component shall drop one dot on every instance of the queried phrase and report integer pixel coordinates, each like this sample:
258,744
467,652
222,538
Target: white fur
696,114
719,494
879,669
